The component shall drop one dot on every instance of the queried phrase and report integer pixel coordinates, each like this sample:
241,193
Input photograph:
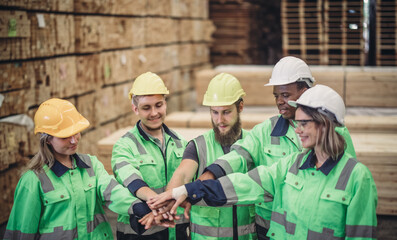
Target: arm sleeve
191,152
125,166
25,215
236,188
361,219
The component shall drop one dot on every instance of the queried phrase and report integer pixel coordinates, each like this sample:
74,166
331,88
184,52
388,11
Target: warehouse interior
90,51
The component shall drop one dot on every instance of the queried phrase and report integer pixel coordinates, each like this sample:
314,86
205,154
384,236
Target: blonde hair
44,155
329,141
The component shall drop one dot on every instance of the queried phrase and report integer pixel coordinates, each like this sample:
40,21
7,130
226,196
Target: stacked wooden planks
237,39
89,52
324,32
386,33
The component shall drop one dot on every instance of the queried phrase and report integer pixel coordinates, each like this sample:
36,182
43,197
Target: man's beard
230,136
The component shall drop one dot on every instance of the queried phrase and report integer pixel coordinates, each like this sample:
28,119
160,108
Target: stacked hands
164,208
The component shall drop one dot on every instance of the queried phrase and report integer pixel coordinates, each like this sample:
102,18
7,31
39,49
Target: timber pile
324,32
89,52
239,29
386,33
359,86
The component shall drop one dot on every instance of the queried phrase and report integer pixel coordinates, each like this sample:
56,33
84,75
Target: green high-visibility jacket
336,201
267,143
63,203
137,161
219,222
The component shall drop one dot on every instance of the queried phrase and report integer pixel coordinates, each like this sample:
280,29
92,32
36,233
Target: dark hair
330,142
237,103
301,85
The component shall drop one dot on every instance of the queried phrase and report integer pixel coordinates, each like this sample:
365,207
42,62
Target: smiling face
283,94
151,110
64,147
307,129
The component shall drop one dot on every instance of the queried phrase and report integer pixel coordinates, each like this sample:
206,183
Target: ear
135,109
241,106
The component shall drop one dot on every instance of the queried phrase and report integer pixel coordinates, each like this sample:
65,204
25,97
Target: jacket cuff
136,185
216,170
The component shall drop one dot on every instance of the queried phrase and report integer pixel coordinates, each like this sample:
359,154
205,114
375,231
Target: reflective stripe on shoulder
16,234
326,234
59,233
98,219
45,181
245,154
87,160
282,220
360,231
295,167
202,153
345,174
274,140
131,136
222,232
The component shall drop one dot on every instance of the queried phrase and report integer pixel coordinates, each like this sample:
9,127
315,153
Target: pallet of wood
386,33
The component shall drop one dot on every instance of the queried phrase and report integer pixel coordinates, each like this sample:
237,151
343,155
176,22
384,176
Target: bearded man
224,97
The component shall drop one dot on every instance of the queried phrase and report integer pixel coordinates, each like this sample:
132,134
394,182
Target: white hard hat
325,100
289,70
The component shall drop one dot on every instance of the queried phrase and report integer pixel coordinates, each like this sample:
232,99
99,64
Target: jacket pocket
55,196
334,203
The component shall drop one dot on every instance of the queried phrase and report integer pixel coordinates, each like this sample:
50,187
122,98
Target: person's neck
157,133
65,160
321,157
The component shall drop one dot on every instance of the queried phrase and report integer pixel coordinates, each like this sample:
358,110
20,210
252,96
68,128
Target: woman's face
306,128
64,146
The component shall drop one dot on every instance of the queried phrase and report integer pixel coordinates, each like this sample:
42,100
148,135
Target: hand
149,220
187,206
160,200
179,193
206,176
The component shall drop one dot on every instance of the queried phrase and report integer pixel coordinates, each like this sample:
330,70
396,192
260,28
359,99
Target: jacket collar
59,169
281,127
326,168
146,137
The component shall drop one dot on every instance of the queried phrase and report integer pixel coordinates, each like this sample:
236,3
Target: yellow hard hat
148,84
223,90
59,118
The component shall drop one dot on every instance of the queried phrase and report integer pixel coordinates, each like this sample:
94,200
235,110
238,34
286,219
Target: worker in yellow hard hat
224,97
144,159
62,194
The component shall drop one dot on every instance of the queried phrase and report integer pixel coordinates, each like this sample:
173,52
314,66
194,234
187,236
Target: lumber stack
89,52
237,39
324,32
386,33
358,86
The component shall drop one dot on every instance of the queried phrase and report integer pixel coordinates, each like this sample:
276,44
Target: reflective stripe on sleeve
59,233
16,234
254,174
225,165
228,189
131,178
222,232
326,234
98,219
262,222
131,136
360,231
345,174
108,191
245,154
119,165
282,219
